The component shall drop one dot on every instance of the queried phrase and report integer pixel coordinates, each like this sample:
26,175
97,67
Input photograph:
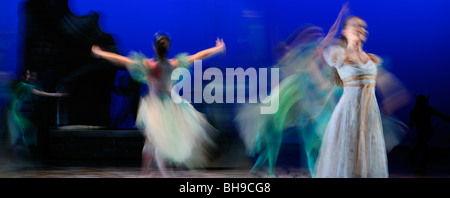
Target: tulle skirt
178,131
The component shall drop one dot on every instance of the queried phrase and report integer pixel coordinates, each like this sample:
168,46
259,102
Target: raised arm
334,28
220,47
112,57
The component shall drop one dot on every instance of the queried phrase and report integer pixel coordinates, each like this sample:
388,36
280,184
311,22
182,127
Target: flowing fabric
341,130
306,101
354,143
20,129
177,130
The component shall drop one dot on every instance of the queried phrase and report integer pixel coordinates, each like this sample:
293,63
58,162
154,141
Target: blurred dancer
304,95
176,133
420,118
309,103
353,144
21,131
306,100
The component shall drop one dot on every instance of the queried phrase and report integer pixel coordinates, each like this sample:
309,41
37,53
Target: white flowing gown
353,144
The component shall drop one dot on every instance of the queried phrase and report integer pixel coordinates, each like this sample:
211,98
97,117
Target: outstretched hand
96,51
220,44
219,48
345,9
63,95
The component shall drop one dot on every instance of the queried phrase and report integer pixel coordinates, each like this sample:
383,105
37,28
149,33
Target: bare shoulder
174,62
150,63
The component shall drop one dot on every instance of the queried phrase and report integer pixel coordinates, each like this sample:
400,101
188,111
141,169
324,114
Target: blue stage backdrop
412,36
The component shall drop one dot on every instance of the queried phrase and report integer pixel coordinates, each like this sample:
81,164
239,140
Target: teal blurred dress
176,130
20,129
304,104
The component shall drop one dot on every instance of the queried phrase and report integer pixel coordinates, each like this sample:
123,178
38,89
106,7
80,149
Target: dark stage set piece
56,47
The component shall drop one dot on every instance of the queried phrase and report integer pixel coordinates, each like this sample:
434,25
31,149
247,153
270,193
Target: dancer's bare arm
220,47
112,57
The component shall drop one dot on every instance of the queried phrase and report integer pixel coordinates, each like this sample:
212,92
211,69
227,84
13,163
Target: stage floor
135,172
438,165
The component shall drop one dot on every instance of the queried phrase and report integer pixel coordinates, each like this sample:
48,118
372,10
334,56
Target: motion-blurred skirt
178,131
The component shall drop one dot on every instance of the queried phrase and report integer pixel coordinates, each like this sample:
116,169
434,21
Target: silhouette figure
420,117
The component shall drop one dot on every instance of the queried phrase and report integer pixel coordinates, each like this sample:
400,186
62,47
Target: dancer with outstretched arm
175,133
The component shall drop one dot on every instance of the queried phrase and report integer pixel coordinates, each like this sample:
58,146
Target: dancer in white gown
349,138
353,143
176,131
